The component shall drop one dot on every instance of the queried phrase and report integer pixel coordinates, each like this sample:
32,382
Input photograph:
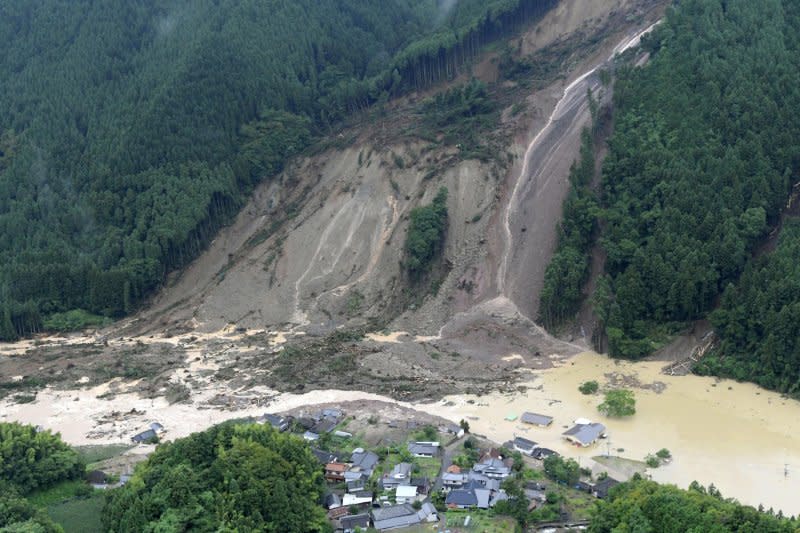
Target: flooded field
743,439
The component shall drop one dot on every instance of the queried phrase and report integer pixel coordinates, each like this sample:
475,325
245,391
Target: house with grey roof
535,419
428,513
452,481
523,445
423,449
363,461
145,436
461,499
278,422
492,468
323,456
601,488
350,523
400,475
585,434
356,485
543,453
394,517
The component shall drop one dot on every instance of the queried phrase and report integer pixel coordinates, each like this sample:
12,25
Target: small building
405,494
158,428
334,472
325,425
363,461
394,517
492,468
428,513
524,446
461,499
311,436
332,501
422,484
362,497
145,436
323,456
585,434
601,488
278,422
536,419
350,523
333,413
452,481
543,453
97,479
355,485
400,475
424,449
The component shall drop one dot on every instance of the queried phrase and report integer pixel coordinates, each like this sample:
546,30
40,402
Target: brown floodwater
741,438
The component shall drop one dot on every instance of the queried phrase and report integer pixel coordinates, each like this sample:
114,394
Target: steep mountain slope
338,257
131,132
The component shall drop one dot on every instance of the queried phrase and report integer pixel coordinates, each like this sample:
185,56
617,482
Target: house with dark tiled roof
350,523
394,517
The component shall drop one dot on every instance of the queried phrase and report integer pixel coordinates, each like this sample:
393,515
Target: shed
536,419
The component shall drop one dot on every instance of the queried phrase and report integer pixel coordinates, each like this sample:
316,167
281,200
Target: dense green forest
426,234
228,478
131,131
758,321
641,506
700,164
31,461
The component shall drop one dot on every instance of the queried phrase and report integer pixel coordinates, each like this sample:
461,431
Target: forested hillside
228,478
701,162
641,506
131,131
759,320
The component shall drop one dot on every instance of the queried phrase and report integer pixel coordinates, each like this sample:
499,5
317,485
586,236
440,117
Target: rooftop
536,419
585,433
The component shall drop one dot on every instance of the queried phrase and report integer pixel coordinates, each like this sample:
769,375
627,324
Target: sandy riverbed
734,435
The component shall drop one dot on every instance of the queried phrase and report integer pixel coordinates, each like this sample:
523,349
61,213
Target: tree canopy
31,459
699,168
232,477
618,403
641,506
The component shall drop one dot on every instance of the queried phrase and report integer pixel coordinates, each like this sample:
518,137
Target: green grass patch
74,320
95,453
66,490
428,466
80,515
577,503
483,521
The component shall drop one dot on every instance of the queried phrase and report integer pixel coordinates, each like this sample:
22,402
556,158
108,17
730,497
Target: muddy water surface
744,440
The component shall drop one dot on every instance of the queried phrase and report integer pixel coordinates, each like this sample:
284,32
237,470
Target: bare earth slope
338,260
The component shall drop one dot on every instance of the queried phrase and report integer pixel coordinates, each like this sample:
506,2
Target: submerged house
536,419
585,434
